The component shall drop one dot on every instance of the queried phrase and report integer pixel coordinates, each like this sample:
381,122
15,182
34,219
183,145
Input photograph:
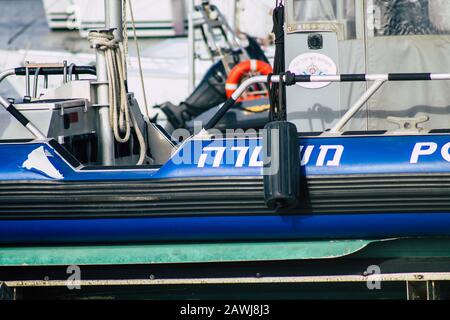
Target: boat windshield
323,10
324,15
411,17
408,36
373,37
385,17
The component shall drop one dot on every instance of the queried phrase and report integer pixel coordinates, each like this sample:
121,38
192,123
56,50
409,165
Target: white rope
119,111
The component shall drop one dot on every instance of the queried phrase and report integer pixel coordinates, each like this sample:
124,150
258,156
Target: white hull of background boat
153,18
165,70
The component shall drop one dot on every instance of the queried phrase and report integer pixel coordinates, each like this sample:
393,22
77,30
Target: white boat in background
153,18
58,13
164,66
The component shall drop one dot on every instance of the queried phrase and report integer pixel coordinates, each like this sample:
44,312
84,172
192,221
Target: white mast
114,17
113,23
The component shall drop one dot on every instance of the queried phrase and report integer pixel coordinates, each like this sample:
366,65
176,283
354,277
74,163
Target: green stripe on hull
177,253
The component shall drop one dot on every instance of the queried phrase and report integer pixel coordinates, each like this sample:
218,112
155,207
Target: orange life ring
242,69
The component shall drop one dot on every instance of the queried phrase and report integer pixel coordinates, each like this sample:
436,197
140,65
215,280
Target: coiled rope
119,110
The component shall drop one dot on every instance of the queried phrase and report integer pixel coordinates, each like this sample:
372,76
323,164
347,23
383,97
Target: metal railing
37,69
291,79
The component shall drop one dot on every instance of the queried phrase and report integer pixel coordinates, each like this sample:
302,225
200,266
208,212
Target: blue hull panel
226,228
243,157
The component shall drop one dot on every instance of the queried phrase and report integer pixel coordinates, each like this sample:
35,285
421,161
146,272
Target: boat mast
113,24
114,17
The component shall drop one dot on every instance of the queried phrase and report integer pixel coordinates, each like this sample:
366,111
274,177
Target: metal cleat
408,125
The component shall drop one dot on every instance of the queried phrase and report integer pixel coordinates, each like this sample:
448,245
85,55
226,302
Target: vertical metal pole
65,72
114,17
36,82
191,49
105,132
113,20
27,79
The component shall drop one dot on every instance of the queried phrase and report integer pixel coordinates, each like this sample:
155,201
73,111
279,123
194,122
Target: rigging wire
138,51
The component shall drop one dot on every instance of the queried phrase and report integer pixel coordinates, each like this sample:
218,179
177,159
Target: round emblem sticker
315,64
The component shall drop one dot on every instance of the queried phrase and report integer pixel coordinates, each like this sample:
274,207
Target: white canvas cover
411,36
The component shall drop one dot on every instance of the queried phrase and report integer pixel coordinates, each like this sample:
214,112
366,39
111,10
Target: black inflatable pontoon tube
43,71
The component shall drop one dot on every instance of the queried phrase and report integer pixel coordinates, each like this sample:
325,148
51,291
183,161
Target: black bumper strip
225,196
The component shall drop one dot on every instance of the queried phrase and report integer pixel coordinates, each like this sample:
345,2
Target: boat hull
212,190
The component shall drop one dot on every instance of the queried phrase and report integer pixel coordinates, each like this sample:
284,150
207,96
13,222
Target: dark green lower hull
277,270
